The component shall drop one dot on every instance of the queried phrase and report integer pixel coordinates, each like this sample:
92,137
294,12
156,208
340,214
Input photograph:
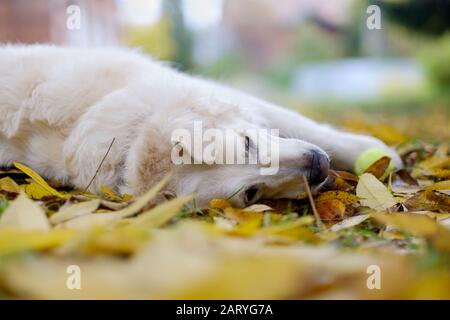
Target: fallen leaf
294,230
38,179
258,208
379,167
219,204
330,210
24,214
70,211
89,220
111,195
31,240
161,214
36,191
439,173
349,222
242,216
441,185
345,197
373,193
428,200
347,176
9,185
417,225
406,177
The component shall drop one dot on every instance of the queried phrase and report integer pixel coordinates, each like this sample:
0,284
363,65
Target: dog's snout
320,164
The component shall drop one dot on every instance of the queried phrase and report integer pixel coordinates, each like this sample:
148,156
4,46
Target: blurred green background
317,56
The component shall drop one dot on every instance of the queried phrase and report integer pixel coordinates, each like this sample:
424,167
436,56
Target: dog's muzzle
319,167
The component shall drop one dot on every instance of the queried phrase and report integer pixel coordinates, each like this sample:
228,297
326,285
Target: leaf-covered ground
397,224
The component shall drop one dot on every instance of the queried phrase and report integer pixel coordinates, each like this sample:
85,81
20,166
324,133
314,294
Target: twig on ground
313,206
100,165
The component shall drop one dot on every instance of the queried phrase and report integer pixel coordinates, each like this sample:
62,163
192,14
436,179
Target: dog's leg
91,137
343,147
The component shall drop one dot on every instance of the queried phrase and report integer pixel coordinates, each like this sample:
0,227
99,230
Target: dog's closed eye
247,146
252,194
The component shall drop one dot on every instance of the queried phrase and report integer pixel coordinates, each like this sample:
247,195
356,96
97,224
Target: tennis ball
368,157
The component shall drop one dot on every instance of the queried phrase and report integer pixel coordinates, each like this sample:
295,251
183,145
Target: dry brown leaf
428,200
406,177
330,210
379,167
417,225
345,197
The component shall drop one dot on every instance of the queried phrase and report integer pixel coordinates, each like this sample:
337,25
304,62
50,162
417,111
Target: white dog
61,108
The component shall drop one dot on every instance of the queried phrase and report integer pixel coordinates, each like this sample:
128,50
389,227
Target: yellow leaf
246,228
440,173
127,197
345,197
435,162
241,277
23,213
71,211
9,185
143,200
373,193
280,228
110,194
89,220
117,241
161,214
38,179
36,191
13,240
417,225
220,204
442,185
242,216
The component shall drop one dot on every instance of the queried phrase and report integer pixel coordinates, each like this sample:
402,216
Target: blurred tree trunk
183,57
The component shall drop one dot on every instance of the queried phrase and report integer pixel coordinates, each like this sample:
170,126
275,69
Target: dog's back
55,85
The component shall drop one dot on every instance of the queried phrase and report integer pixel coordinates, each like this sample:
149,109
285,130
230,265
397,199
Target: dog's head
245,165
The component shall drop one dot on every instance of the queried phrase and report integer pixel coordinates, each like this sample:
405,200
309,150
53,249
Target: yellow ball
368,157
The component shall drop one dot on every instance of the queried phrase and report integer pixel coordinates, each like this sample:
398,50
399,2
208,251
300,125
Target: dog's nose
320,164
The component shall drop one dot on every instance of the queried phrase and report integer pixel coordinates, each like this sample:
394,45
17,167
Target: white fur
60,109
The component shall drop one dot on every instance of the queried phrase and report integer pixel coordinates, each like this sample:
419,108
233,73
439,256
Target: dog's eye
251,194
247,146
